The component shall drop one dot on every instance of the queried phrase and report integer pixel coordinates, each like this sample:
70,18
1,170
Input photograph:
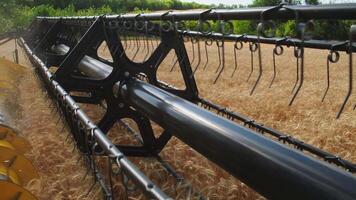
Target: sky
246,2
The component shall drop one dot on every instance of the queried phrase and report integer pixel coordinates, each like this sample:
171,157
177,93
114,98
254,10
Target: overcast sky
246,2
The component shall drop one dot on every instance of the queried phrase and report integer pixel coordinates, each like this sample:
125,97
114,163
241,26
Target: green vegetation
17,14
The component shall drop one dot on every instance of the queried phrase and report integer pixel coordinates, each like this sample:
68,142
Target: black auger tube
272,169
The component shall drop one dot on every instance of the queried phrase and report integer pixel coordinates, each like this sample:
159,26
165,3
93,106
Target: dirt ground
308,119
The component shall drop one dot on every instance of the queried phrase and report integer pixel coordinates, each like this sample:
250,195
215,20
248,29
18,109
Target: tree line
18,14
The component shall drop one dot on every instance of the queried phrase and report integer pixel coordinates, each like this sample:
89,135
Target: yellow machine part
9,136
9,175
6,144
12,191
15,169
19,164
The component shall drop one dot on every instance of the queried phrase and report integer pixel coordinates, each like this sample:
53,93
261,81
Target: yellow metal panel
19,143
11,191
15,169
19,163
6,144
10,174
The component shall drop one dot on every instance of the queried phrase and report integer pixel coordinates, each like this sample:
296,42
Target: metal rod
337,11
242,148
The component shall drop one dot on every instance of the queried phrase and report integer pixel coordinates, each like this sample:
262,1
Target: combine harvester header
64,51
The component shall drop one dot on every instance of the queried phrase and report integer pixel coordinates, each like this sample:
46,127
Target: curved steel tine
235,54
138,46
301,81
277,51
222,46
148,49
327,78
260,71
174,65
350,88
297,77
274,69
123,35
152,44
124,39
130,38
129,42
148,37
351,41
217,69
207,42
193,51
235,61
143,41
199,57
302,29
252,50
330,59
173,59
134,42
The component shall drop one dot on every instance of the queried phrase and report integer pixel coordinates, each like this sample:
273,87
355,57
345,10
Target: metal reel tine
352,39
222,46
152,44
133,40
217,69
349,90
138,46
236,47
199,57
330,59
260,71
124,39
274,69
148,49
297,62
129,42
174,65
253,48
327,78
143,50
192,41
207,43
235,62
277,51
301,54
